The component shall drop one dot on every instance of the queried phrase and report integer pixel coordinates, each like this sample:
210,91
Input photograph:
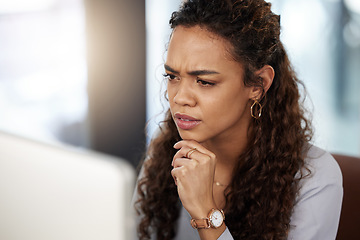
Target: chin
187,135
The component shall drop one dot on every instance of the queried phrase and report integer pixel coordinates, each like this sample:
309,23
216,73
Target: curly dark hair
261,196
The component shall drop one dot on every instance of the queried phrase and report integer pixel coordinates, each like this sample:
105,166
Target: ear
266,74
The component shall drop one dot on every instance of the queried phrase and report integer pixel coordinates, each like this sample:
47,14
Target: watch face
216,218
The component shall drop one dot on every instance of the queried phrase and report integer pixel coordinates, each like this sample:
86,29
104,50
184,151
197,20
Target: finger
191,151
176,173
182,152
192,144
200,157
194,154
185,151
184,162
173,174
186,143
182,143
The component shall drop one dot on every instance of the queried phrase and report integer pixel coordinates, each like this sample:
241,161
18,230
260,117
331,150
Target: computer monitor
60,193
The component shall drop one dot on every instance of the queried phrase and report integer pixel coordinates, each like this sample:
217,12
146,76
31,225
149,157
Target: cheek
217,109
229,108
228,101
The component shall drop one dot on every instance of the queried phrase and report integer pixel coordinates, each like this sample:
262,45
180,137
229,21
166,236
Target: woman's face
208,99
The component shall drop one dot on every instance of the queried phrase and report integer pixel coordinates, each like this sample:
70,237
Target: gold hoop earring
258,115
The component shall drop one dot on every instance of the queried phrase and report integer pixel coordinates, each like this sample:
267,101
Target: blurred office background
89,73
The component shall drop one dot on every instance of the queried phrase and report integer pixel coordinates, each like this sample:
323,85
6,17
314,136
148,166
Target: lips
186,122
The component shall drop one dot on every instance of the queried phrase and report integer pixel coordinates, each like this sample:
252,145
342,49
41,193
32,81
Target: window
43,69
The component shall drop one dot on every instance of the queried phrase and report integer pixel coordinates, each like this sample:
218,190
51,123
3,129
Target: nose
184,95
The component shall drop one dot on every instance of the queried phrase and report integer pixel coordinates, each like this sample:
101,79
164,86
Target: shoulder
322,167
318,204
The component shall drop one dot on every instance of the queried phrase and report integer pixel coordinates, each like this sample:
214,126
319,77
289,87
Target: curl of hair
261,196
158,200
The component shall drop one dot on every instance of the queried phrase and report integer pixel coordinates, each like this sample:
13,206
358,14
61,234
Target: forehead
196,46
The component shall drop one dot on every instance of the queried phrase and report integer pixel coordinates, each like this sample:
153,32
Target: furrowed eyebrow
202,72
192,73
168,68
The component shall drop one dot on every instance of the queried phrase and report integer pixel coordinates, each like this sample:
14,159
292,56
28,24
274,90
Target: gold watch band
200,223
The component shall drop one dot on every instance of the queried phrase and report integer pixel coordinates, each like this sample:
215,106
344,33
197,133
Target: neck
227,153
228,148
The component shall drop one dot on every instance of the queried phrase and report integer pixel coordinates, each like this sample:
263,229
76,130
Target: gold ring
190,152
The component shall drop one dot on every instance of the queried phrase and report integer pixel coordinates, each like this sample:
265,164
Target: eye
169,76
204,83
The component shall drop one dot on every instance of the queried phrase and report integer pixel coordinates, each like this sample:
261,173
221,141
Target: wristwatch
215,219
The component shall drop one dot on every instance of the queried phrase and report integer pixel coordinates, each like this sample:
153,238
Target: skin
207,85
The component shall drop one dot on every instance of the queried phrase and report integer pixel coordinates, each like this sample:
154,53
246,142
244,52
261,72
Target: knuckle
212,156
194,164
183,172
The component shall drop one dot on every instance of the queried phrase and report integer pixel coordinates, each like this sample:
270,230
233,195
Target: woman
232,159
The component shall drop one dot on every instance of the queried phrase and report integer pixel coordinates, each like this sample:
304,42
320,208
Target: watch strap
200,223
